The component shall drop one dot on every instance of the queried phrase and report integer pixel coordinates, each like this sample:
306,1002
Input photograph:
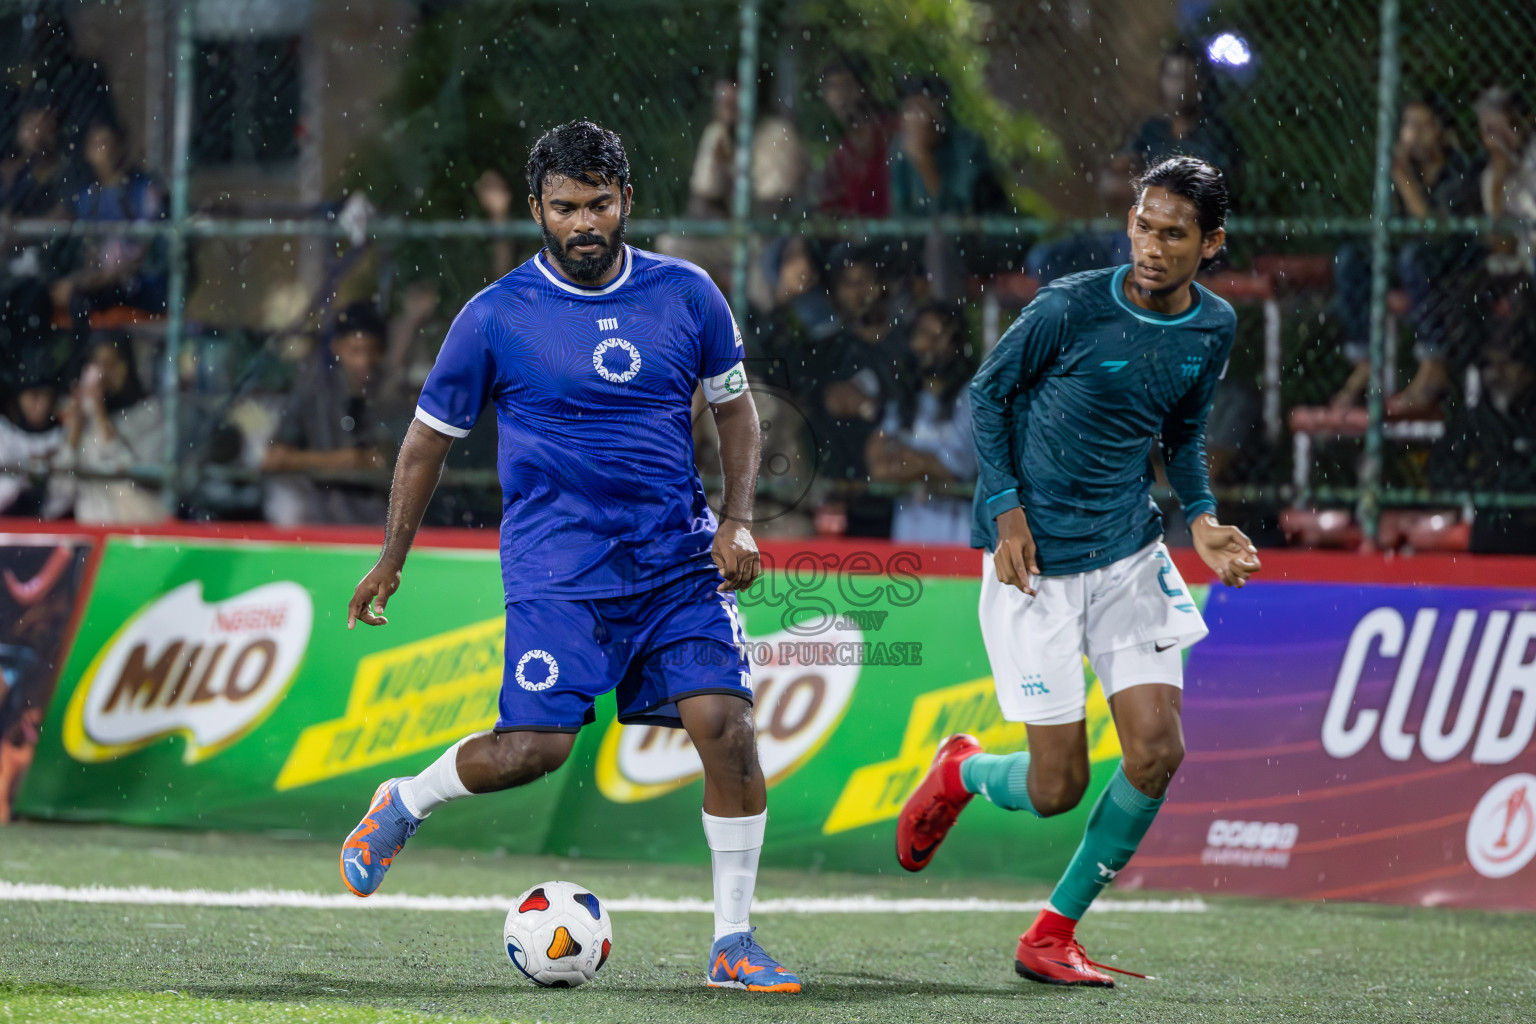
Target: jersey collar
541,260
1146,316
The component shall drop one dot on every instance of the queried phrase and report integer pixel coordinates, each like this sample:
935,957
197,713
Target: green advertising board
215,685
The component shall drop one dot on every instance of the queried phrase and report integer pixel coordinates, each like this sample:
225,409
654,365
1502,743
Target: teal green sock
1115,828
1001,778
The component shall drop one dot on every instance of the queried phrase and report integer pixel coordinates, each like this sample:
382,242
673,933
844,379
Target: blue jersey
1066,409
593,390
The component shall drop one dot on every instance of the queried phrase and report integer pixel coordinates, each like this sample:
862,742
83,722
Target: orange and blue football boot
930,812
737,961
374,844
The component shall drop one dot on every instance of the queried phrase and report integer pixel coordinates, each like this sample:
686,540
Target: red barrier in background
1280,564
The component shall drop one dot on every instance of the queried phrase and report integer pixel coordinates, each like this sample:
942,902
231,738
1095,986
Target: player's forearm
1189,474
417,472
740,449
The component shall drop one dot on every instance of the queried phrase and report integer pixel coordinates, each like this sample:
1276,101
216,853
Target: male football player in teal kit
1066,410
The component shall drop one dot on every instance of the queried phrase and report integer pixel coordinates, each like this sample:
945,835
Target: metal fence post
1381,261
741,198
176,291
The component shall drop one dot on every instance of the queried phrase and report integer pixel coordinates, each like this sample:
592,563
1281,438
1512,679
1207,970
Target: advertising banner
214,685
40,580
1357,743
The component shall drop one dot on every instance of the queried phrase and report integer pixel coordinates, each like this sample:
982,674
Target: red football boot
931,810
1050,953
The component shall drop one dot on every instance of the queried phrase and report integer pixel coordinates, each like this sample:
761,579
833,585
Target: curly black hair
581,151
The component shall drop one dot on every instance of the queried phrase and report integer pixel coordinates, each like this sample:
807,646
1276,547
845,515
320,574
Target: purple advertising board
1357,743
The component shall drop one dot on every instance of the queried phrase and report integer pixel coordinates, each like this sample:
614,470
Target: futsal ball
558,935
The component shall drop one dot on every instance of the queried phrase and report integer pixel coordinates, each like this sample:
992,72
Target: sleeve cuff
1199,509
438,425
1002,501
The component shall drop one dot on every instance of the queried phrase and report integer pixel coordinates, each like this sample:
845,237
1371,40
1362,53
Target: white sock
439,784
734,846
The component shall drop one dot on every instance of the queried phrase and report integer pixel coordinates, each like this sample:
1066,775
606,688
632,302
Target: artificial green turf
1241,961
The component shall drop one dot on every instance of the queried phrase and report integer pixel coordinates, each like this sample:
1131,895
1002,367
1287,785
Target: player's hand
735,555
1226,549
378,586
1015,555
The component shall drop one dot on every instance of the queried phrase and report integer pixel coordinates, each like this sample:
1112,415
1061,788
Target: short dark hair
361,318
578,150
1201,183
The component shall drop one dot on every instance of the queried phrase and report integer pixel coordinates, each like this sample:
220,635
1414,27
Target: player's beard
589,269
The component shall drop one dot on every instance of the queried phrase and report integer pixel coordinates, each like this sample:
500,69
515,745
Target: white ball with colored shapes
558,935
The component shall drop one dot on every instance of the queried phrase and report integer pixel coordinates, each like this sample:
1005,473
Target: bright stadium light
1229,49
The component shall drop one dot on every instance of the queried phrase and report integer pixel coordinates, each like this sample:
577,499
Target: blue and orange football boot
737,961
932,809
374,844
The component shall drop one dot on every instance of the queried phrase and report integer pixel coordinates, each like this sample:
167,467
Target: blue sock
1116,826
1001,778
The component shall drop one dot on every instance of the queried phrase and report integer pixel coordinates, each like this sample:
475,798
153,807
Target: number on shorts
1162,577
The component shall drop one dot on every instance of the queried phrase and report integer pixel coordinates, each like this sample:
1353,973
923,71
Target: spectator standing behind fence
938,167
1491,447
38,179
1508,181
1189,124
30,436
925,437
1432,178
112,425
115,271
856,181
495,197
710,186
332,425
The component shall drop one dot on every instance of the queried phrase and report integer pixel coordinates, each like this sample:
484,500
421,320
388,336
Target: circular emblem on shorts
735,382
542,684
600,362
1501,834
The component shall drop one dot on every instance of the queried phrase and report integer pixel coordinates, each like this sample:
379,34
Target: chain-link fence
203,202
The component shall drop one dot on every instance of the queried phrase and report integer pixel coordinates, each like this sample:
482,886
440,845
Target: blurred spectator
801,321
38,179
1492,446
850,399
856,181
495,197
778,166
30,436
115,271
1432,177
938,167
1189,124
710,187
925,437
113,425
1115,187
332,424
1508,182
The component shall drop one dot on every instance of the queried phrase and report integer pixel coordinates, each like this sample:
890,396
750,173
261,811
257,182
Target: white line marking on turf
16,892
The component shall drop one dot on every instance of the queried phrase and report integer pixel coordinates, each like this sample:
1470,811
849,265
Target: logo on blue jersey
610,362
1114,365
608,323
551,674
1192,366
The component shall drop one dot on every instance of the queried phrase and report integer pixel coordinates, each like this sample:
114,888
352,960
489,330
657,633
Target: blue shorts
679,640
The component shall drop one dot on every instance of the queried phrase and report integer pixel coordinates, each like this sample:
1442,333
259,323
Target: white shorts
1132,620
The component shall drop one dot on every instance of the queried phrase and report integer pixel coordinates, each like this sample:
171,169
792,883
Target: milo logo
209,672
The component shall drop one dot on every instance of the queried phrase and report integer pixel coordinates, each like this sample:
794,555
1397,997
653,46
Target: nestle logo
241,620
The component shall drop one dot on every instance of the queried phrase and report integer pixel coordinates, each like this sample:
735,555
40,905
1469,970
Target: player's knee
1057,793
1150,764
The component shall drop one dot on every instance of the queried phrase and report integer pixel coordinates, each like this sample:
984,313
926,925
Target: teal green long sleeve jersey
1067,407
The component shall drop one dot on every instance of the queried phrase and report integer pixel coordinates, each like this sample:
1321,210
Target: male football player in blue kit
616,572
1066,409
